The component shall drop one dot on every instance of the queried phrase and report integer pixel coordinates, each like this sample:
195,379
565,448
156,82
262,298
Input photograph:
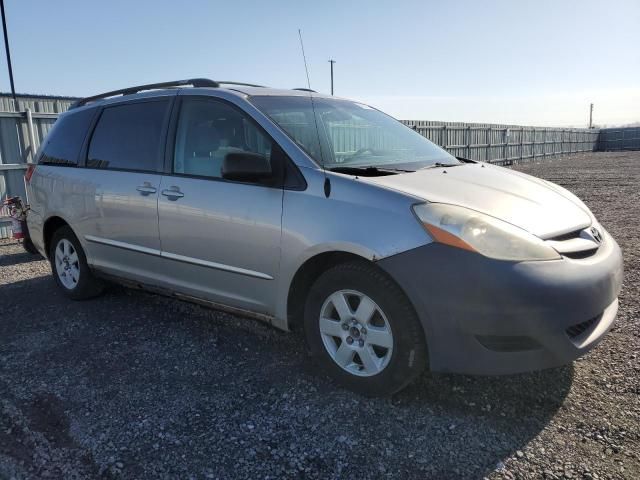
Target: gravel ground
132,385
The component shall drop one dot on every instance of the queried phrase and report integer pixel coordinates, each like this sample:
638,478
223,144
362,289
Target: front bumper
485,316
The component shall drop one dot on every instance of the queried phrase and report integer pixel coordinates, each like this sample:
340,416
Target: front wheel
69,266
364,330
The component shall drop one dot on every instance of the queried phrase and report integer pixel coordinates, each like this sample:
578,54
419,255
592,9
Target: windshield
351,134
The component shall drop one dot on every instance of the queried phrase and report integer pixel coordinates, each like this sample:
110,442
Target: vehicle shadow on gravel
17,259
130,374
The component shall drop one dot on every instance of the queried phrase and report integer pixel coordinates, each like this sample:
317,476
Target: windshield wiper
440,164
368,170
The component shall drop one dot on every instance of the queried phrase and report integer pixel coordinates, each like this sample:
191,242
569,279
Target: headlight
470,230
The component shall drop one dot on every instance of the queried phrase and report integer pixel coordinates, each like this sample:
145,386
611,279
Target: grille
576,245
567,236
574,331
582,254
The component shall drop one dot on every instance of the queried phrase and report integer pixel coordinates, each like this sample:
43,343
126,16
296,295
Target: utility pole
591,116
6,47
332,62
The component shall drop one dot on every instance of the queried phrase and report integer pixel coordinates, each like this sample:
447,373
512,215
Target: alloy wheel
356,333
67,264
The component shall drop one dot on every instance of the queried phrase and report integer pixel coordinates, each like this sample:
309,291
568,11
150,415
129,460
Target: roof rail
194,82
304,90
242,84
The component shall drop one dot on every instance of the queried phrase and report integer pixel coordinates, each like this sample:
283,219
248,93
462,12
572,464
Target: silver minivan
327,216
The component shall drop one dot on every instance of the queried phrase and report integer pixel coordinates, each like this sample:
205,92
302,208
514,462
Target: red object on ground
17,228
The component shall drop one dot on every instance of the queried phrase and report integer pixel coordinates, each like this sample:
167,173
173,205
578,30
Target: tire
29,247
389,348
71,272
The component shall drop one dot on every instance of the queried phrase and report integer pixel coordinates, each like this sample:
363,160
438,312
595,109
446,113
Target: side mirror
246,167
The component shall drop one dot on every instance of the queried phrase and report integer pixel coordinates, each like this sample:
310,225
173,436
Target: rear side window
129,137
64,142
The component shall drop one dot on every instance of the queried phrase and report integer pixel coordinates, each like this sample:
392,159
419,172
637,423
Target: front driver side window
207,131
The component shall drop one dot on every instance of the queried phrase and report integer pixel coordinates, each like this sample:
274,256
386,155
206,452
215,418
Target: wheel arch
51,225
307,274
304,277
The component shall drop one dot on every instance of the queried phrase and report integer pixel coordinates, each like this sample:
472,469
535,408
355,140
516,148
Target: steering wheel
362,151
358,153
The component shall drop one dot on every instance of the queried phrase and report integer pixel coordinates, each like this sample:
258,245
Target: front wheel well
50,227
304,278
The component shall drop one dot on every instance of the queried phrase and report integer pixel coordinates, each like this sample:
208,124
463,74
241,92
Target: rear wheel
364,330
69,266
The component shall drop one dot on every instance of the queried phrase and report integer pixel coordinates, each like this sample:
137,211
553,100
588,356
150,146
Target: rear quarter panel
66,192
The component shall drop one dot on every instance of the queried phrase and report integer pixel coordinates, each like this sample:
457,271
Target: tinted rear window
129,137
63,144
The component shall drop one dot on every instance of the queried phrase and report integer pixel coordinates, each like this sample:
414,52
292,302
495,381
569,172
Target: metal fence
612,139
505,144
22,128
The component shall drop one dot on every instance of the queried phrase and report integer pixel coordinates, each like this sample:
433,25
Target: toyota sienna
324,215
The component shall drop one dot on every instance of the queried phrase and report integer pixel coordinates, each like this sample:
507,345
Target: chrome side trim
177,258
217,266
125,245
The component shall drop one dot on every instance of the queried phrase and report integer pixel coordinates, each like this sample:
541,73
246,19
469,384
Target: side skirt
271,320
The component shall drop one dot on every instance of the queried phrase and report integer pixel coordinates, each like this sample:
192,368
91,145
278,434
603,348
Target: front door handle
173,193
146,189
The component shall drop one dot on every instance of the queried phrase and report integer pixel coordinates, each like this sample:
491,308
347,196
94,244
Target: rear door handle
146,189
173,193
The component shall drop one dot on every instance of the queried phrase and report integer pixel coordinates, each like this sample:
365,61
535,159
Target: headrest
202,139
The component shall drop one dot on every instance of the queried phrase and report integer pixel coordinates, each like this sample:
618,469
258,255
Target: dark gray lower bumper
485,316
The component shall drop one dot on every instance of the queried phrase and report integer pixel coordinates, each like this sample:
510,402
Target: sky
521,62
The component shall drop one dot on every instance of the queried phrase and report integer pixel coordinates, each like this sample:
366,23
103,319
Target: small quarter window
129,137
63,144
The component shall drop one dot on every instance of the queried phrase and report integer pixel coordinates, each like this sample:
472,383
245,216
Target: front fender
359,218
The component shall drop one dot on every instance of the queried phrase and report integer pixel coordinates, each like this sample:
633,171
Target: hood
539,207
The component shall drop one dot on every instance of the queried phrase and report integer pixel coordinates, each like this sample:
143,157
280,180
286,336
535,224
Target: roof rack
242,84
194,82
304,90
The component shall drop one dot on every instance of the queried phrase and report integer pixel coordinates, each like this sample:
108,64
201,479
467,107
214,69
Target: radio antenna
327,183
304,58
